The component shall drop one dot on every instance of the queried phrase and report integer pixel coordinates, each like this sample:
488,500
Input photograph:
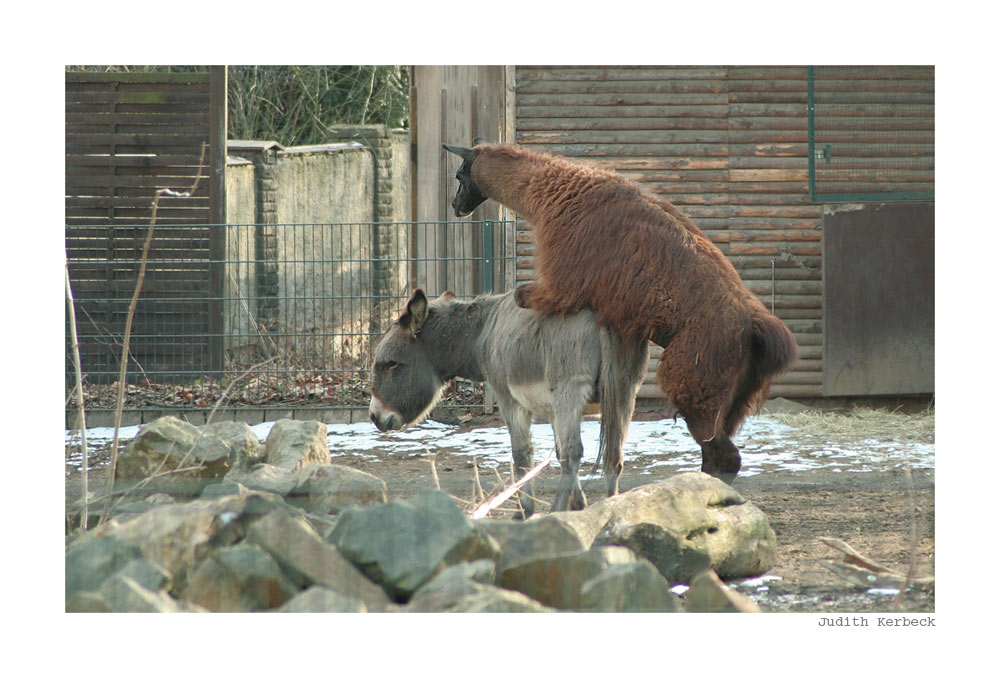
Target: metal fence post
488,258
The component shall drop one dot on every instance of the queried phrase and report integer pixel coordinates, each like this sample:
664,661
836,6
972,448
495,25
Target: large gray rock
309,560
265,478
628,587
475,597
331,488
456,580
90,562
321,599
293,444
177,537
698,512
124,594
521,540
88,602
468,587
166,445
677,559
194,456
148,575
243,578
236,440
401,545
557,581
224,489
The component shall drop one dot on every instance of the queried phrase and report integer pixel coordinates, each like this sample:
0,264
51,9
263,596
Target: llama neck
505,175
534,184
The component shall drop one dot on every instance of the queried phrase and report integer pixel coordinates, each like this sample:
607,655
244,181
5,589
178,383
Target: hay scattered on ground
862,421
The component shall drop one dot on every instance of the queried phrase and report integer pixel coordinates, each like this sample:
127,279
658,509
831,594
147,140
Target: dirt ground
877,512
869,511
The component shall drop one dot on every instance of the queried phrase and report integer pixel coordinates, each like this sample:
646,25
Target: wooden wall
729,145
127,135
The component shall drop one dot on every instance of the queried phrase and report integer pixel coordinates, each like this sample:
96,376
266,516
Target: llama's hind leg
537,296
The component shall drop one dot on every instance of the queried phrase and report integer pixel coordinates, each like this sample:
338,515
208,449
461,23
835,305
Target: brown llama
649,273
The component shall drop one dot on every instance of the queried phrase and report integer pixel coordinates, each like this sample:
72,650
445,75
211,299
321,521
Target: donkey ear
479,140
416,312
464,153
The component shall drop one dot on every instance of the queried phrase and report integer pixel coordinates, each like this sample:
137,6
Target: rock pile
238,526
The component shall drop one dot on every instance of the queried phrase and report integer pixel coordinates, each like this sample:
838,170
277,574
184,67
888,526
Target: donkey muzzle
384,418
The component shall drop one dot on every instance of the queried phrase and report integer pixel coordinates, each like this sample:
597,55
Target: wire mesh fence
871,133
289,316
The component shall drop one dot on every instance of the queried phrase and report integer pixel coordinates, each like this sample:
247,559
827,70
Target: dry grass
866,421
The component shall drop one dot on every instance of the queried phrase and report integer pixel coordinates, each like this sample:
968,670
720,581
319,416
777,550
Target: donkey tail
623,366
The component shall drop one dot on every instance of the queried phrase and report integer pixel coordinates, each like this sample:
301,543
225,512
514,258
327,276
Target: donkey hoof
527,508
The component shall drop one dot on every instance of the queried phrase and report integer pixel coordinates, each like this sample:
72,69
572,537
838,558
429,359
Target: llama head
469,196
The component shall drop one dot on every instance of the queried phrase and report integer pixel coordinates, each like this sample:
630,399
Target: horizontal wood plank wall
127,135
874,131
727,145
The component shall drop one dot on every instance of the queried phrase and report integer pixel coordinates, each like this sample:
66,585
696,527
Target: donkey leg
518,421
569,446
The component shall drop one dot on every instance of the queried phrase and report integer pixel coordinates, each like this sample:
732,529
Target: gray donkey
535,364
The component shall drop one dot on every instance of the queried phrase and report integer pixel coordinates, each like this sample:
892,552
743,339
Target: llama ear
416,312
464,153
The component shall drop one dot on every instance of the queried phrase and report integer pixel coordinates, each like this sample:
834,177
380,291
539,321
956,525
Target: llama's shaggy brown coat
650,273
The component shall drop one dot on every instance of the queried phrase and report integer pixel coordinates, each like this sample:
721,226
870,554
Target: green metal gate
871,133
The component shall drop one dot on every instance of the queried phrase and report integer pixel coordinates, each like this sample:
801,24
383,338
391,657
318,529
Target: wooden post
441,248
218,137
412,249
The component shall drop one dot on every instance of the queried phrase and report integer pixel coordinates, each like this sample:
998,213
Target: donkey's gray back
537,358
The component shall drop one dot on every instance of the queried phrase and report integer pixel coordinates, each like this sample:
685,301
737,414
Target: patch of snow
766,444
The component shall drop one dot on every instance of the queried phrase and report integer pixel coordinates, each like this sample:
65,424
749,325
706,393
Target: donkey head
468,197
405,385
